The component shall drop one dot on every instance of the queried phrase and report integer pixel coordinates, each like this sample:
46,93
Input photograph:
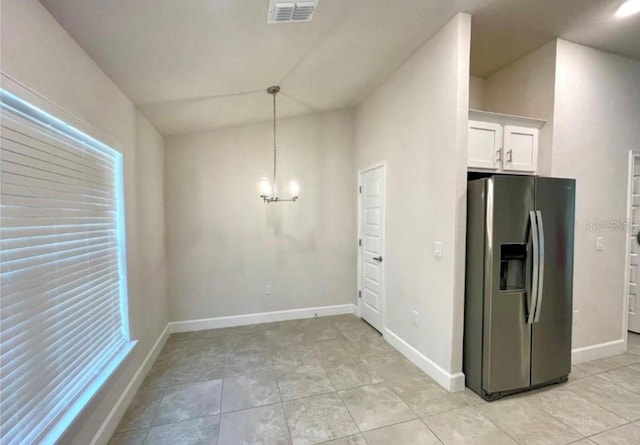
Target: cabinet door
520,149
485,144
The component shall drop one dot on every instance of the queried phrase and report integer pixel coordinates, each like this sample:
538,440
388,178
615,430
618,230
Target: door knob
378,259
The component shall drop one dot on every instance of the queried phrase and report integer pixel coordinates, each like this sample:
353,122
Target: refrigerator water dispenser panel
513,262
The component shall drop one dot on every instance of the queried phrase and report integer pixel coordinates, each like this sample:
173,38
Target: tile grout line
394,423
602,407
558,419
609,381
286,421
155,414
607,360
337,393
432,432
171,371
500,428
284,413
611,429
282,401
174,423
598,404
350,415
146,436
224,364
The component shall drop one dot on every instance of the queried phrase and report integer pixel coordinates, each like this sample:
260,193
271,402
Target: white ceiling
192,65
506,30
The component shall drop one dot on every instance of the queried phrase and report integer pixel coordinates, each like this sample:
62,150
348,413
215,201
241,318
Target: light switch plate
437,249
599,243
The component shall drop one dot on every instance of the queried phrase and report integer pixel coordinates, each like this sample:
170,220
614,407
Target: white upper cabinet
503,143
520,149
485,145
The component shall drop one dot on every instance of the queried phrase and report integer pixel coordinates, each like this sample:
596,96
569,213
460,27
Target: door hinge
360,189
359,294
360,240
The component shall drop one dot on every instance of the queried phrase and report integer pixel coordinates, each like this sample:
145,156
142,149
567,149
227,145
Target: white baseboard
263,317
111,422
601,350
450,382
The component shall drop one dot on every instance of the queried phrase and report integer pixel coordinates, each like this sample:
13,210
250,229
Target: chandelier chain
274,139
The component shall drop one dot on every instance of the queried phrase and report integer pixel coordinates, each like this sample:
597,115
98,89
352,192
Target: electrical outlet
599,244
267,289
414,316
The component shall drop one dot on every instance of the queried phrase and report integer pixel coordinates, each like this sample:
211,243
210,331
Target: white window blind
63,321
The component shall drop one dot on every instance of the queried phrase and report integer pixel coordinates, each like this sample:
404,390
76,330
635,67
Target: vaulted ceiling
193,65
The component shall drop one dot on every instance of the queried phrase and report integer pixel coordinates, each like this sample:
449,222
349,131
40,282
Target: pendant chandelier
268,189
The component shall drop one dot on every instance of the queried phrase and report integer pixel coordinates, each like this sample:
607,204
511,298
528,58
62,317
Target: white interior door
634,263
371,255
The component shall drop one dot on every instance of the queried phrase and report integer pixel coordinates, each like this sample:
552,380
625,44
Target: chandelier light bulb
294,188
265,187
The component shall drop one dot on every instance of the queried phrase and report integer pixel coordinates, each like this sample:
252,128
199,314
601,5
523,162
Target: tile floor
334,380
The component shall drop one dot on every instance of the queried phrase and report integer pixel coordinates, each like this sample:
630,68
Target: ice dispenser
513,260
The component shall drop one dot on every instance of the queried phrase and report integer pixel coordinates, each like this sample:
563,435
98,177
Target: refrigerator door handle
536,263
541,266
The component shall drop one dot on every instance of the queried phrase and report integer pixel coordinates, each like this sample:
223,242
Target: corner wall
477,89
597,107
225,244
44,65
416,121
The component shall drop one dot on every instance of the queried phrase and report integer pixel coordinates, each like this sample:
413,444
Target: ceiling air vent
282,11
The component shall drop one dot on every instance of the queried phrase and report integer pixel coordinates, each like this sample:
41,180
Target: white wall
476,93
225,244
597,111
42,63
526,88
416,121
150,231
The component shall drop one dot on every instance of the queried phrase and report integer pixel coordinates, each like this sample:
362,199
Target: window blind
63,320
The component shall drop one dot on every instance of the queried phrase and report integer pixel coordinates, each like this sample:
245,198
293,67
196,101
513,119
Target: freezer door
507,336
551,335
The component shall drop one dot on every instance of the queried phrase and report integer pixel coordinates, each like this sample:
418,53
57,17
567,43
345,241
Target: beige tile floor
334,380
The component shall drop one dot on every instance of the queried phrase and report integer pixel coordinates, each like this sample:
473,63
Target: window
63,322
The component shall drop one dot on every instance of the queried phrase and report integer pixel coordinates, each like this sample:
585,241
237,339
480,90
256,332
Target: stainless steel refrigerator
519,277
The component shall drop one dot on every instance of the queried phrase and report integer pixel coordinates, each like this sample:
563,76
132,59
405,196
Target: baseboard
594,352
111,422
263,317
450,382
